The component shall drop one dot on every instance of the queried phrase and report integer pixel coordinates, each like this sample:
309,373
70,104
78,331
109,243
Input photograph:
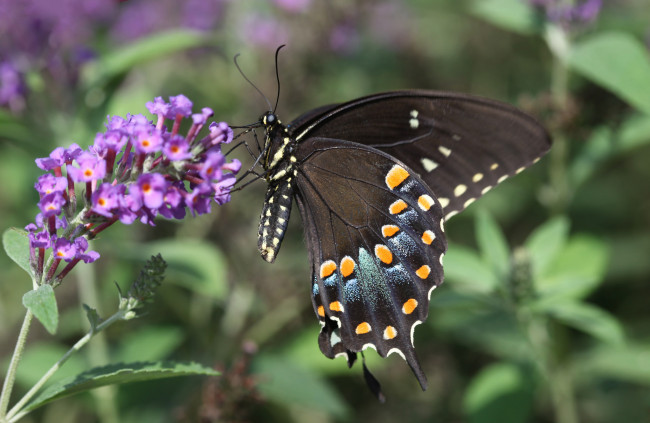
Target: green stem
8,384
16,413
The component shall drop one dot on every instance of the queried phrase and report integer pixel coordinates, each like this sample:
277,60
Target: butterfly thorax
279,164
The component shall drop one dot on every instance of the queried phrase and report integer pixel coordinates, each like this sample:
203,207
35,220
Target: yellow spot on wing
397,207
336,306
460,190
321,311
444,202
423,272
477,177
390,332
409,306
327,268
425,202
494,166
396,176
363,328
347,266
389,230
383,253
428,237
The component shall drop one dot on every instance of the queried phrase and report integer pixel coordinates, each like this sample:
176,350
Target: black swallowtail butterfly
375,179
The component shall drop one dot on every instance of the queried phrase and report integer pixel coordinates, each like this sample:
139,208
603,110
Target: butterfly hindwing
461,146
376,242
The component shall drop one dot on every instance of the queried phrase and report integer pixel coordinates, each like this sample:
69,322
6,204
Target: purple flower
59,156
177,148
48,184
222,189
91,168
198,201
149,190
201,118
158,107
51,204
148,141
81,245
220,133
211,168
234,166
582,11
112,140
174,203
40,239
106,199
180,105
64,250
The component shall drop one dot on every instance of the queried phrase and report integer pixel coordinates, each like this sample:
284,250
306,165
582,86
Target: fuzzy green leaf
118,374
16,244
492,244
512,15
465,269
42,303
589,319
546,241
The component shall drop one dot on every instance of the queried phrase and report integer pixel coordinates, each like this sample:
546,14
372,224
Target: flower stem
8,384
16,413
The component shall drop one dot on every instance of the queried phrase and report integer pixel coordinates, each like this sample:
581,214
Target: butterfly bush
134,171
568,13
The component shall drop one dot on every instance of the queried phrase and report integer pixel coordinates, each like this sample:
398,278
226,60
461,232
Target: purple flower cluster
135,170
12,87
581,11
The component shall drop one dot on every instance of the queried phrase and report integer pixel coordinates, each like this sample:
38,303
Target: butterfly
375,179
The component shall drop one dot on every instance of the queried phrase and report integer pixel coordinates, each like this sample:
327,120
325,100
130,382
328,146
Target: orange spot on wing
363,328
425,202
409,306
396,176
383,253
389,230
428,237
336,306
321,311
347,266
397,207
327,268
390,332
423,272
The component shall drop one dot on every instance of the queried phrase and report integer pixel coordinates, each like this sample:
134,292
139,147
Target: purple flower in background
566,14
222,189
81,245
220,133
211,168
344,38
198,201
264,32
294,6
40,239
148,140
12,87
180,105
158,106
106,199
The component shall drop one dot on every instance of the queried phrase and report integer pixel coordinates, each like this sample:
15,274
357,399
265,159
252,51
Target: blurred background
545,311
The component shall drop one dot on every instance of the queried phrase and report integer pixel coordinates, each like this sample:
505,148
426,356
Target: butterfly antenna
249,81
277,76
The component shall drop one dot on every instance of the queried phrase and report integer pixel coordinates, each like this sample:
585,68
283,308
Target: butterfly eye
269,119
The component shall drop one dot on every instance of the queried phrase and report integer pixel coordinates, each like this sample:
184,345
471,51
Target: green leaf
149,343
118,374
194,264
589,319
575,271
512,15
616,61
93,316
546,241
42,303
634,133
501,393
286,383
467,272
629,363
596,150
492,244
160,44
16,244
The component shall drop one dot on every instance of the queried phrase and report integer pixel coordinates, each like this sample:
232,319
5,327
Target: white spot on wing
460,190
396,350
417,322
428,164
430,291
444,202
501,179
414,123
477,177
444,150
369,346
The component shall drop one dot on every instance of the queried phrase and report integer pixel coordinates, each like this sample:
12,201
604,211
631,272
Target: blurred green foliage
544,315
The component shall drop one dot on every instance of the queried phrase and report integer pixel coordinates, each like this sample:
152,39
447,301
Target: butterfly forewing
461,146
376,244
